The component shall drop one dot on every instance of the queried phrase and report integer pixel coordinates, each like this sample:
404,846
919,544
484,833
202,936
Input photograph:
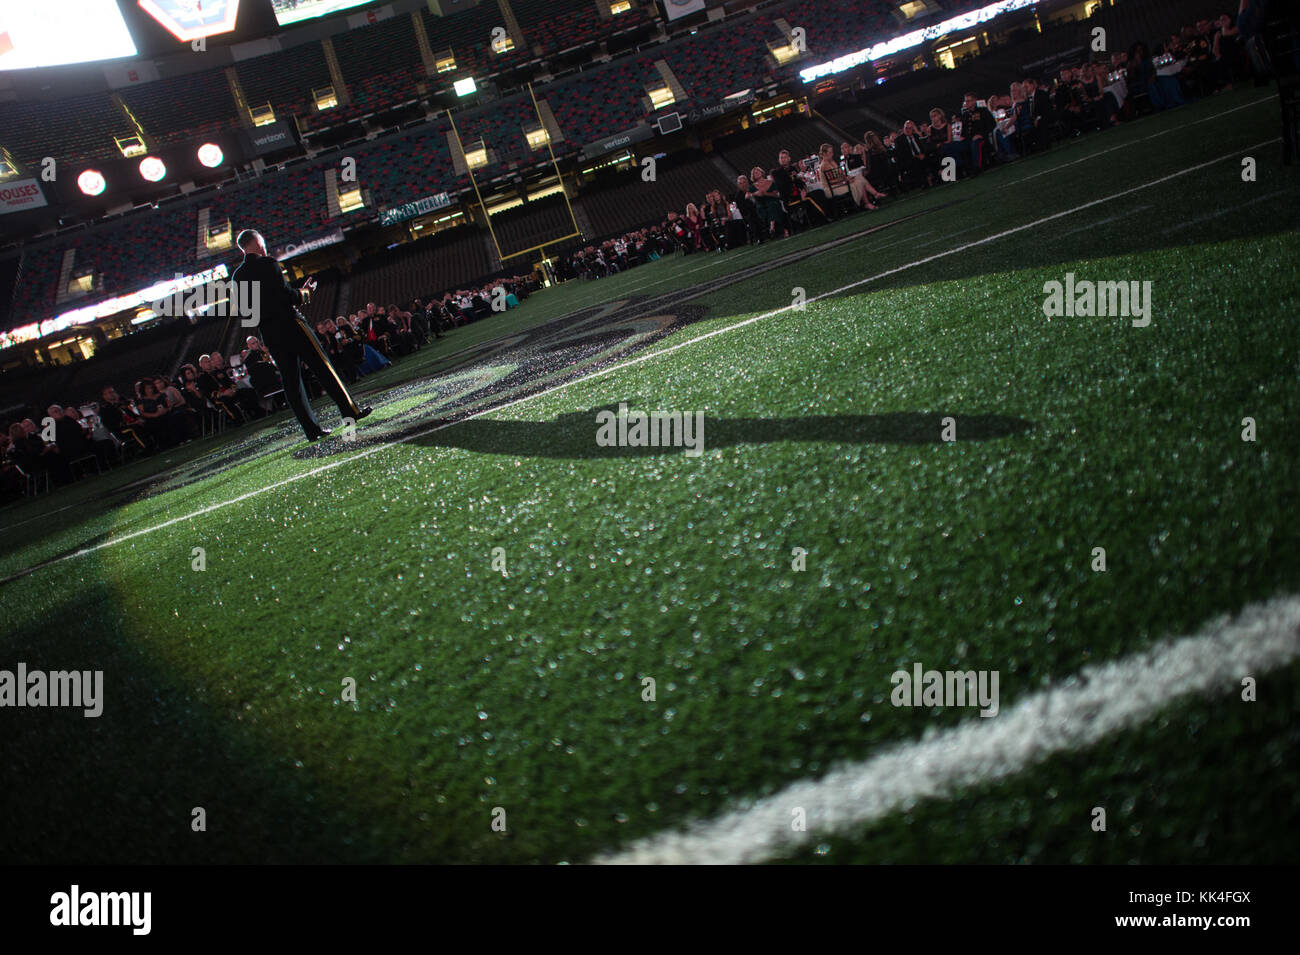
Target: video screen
57,32
295,11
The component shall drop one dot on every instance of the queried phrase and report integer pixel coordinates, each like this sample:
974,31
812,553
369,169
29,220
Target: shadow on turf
573,435
121,788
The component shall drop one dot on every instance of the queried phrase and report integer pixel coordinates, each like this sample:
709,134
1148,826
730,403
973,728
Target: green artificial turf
523,691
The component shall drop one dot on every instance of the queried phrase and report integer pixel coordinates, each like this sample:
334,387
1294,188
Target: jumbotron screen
294,11
58,32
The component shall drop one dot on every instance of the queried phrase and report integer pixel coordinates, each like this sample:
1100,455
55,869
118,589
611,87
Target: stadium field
568,652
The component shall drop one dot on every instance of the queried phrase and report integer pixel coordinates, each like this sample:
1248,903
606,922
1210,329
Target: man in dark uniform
977,125
285,334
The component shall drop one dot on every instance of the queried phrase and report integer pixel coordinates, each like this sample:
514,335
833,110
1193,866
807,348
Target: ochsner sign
20,194
289,250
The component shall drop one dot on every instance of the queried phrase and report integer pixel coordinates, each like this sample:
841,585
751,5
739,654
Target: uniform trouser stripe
332,382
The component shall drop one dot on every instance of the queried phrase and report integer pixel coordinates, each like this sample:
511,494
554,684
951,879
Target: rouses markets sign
409,210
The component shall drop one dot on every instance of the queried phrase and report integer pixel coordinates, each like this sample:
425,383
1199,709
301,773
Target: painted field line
1078,713
1101,222
1145,139
1226,210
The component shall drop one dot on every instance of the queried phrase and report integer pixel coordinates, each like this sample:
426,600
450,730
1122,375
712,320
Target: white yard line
1100,222
727,262
1144,139
1201,220
1078,713
649,356
41,517
943,238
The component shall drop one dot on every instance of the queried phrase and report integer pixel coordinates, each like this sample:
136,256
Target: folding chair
837,186
82,461
34,482
267,385
136,445
226,415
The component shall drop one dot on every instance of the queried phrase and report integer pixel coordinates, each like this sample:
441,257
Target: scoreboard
189,20
36,33
294,11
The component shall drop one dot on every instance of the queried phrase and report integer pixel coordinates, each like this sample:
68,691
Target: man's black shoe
363,412
322,433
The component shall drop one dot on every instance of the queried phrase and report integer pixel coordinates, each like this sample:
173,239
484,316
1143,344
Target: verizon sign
270,138
20,195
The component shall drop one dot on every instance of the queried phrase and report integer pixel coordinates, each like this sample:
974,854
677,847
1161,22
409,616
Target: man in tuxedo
119,417
285,334
916,159
1039,104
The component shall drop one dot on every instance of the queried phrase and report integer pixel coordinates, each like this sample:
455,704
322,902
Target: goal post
555,166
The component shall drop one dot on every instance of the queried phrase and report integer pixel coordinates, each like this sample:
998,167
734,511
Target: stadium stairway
345,295
495,262
178,359
724,166
584,221
759,146
836,133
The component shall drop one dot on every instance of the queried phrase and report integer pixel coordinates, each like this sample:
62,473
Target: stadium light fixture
351,200
152,168
661,96
210,155
476,156
91,182
324,98
784,53
537,138
131,146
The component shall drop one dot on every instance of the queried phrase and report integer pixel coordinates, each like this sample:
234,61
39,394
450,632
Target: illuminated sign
193,19
417,207
35,33
120,303
909,40
294,11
